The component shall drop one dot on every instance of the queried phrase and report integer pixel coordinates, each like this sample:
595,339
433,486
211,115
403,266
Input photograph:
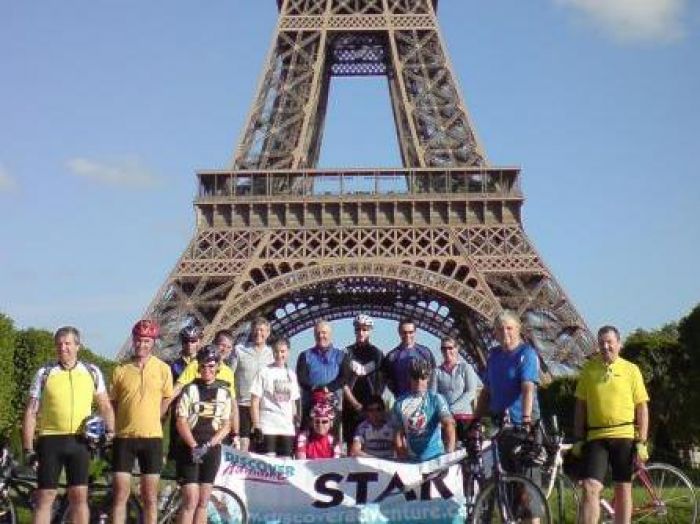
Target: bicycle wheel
662,493
225,507
511,500
564,500
7,510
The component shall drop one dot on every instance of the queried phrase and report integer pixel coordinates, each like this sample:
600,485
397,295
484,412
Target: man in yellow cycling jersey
61,396
610,400
224,341
141,391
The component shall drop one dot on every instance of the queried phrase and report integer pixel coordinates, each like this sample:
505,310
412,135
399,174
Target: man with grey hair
61,398
510,390
247,362
322,367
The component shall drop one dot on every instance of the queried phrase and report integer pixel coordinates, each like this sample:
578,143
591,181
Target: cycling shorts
147,451
188,472
56,452
618,453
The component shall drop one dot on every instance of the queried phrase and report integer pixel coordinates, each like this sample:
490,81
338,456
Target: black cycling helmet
190,333
209,353
419,368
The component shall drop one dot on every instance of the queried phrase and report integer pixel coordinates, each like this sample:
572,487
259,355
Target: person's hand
236,442
198,453
109,437
642,451
31,459
577,448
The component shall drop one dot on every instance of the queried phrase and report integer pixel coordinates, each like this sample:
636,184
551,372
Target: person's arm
356,448
580,419
641,419
301,446
527,390
104,406
352,400
254,410
400,447
234,425
29,424
221,433
302,373
183,429
168,392
449,437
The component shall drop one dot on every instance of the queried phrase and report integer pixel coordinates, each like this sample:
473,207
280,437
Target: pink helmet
145,328
323,410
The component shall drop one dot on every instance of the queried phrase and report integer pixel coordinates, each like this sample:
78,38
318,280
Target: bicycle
494,496
559,489
225,506
660,492
20,483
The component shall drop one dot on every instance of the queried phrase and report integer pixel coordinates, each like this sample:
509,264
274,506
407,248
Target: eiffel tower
439,239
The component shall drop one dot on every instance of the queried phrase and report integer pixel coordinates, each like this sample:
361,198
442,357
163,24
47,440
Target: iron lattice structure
440,239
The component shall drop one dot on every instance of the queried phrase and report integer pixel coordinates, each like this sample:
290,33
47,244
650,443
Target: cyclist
203,421
247,362
510,389
457,381
274,396
319,442
141,391
223,339
610,400
61,396
374,436
425,427
365,379
190,339
397,362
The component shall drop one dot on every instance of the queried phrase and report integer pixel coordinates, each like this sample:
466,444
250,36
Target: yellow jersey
137,393
611,393
65,396
191,372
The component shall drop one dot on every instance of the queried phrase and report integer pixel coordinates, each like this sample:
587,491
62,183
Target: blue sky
107,109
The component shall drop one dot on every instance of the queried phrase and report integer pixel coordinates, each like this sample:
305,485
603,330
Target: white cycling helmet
94,430
363,320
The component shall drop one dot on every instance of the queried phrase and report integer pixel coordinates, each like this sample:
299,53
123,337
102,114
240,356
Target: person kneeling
374,436
319,442
203,414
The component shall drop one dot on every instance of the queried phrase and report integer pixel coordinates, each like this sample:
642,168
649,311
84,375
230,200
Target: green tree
33,348
558,399
7,345
664,362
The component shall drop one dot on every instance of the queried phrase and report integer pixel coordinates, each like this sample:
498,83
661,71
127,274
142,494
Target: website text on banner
364,490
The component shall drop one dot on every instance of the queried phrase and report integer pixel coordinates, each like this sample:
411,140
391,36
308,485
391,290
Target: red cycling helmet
145,328
323,411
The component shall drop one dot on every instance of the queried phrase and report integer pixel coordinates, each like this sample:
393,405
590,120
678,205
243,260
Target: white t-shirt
277,389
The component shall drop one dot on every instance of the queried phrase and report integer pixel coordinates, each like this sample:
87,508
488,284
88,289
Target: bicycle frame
641,472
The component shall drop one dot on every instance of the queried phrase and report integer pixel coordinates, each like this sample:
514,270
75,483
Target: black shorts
203,473
245,423
58,451
280,445
147,451
618,453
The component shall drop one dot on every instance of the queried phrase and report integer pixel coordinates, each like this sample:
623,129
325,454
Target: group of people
334,401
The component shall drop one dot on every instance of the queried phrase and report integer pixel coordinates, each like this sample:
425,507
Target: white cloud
7,182
635,20
129,172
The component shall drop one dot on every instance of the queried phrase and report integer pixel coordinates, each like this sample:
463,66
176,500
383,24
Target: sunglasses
321,421
420,377
445,348
209,365
408,332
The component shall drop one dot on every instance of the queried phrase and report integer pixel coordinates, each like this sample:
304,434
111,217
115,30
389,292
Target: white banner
278,490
